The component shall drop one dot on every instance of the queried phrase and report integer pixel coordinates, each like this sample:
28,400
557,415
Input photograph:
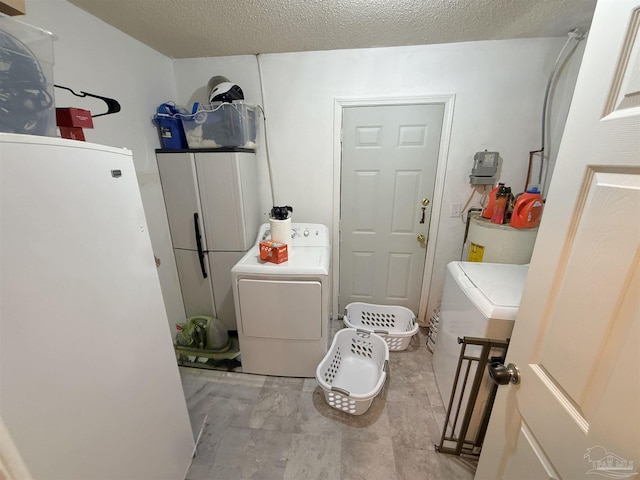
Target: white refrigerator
89,386
211,199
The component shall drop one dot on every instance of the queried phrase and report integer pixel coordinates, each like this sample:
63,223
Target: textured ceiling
211,28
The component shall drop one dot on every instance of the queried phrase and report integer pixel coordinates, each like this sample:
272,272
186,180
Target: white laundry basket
354,370
393,323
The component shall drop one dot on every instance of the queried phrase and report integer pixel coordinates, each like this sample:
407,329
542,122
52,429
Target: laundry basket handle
340,390
384,332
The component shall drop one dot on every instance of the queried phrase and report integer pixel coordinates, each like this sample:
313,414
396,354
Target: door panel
611,200
531,459
406,190
196,290
399,274
178,176
365,184
577,336
221,264
363,268
281,309
389,159
228,189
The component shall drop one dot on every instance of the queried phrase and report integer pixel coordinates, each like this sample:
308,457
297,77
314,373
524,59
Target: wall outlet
454,210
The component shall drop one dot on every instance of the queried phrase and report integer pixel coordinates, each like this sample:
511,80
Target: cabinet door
221,264
228,187
179,187
196,290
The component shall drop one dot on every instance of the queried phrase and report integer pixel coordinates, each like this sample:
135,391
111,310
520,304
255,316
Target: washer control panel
302,234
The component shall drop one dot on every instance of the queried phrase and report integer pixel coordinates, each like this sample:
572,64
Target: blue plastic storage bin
171,132
170,128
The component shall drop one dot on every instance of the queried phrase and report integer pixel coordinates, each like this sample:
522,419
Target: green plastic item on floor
203,333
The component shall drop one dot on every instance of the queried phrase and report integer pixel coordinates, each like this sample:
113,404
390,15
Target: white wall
560,96
94,57
192,76
499,87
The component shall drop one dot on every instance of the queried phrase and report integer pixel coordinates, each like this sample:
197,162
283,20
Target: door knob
425,202
422,239
502,375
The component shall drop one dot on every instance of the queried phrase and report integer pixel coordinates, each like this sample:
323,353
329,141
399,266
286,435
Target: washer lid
494,288
501,283
302,261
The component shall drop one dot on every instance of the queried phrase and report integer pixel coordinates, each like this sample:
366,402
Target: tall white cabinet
89,386
211,199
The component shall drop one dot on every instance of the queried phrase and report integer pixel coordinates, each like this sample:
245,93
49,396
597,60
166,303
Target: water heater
492,243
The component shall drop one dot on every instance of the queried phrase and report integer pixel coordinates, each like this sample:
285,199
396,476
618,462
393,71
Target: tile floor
265,428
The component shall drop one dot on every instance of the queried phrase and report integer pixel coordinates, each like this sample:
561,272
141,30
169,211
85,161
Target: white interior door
576,339
389,160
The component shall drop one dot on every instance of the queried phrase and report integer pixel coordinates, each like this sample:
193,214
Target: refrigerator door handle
199,244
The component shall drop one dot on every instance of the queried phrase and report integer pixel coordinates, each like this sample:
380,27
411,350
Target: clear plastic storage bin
397,325
223,125
26,79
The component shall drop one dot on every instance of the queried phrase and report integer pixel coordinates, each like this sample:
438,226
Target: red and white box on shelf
71,121
274,252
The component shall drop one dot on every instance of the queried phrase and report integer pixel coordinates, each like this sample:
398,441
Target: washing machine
479,300
282,310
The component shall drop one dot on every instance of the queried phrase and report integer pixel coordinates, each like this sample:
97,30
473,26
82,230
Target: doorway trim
448,100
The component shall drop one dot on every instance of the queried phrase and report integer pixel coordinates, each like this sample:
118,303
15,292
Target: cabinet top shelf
201,150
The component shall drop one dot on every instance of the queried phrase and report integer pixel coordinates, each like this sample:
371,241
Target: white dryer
282,309
479,300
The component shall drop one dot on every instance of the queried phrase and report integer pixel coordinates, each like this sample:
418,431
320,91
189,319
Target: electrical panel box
485,167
